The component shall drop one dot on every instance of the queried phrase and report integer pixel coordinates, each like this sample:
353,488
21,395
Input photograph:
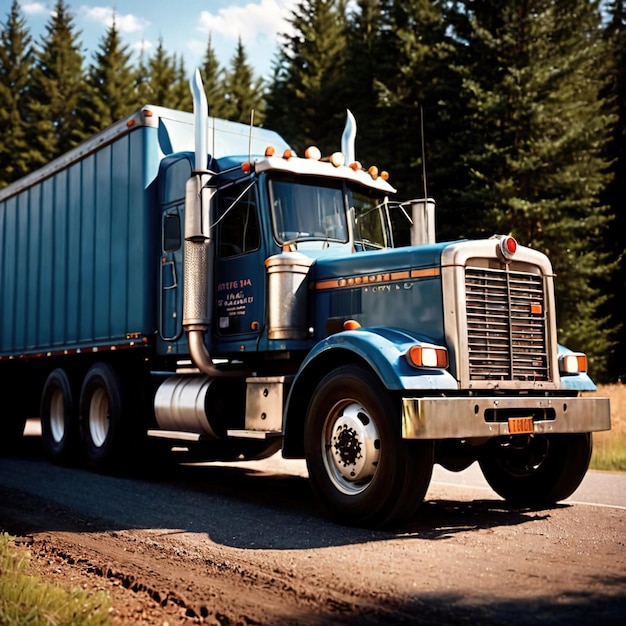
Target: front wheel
361,470
536,469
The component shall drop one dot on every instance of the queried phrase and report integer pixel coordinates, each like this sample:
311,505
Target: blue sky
184,25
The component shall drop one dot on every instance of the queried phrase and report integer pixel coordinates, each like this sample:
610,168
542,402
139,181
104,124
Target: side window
238,228
171,232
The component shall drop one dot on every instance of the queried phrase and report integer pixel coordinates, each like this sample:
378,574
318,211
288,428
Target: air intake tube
198,274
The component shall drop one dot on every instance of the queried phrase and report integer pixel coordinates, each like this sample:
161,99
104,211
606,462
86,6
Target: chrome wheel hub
351,447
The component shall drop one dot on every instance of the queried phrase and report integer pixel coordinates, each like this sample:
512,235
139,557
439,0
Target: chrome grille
506,325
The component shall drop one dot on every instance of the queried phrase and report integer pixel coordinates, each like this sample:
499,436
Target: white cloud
261,18
34,8
128,23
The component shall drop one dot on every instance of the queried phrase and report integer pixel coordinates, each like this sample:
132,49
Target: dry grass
609,447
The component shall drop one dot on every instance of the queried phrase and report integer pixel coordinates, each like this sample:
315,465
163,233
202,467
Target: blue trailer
182,281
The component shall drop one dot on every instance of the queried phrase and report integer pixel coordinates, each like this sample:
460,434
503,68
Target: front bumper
462,418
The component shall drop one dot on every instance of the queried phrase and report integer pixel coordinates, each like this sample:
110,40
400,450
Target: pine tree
616,191
16,61
367,61
243,94
410,87
57,82
532,86
307,101
181,97
110,93
213,79
161,73
141,77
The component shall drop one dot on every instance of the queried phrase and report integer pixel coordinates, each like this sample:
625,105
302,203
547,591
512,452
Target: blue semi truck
183,282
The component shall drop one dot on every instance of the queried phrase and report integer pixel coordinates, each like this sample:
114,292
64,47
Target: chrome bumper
462,418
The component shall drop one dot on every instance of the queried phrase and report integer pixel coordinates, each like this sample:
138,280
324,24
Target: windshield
305,210
371,221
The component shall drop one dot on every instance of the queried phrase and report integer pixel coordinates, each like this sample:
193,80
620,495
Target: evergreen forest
515,109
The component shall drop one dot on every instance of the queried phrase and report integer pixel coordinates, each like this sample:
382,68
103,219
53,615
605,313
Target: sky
184,26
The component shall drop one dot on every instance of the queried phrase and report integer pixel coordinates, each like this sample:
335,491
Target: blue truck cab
185,282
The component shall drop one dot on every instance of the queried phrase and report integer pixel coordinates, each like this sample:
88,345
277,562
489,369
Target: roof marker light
337,159
373,172
313,153
384,175
356,166
269,151
288,153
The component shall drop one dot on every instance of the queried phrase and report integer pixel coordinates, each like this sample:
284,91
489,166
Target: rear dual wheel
361,469
105,422
59,420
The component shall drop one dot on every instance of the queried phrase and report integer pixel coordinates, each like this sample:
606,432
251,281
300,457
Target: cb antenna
250,134
423,151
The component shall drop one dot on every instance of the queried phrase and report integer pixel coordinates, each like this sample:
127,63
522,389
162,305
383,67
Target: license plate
521,425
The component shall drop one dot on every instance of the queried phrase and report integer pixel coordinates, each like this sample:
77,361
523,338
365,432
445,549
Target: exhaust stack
348,138
198,274
422,221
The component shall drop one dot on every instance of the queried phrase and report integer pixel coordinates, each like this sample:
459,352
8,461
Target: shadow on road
233,505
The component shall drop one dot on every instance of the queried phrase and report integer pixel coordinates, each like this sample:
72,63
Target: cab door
240,268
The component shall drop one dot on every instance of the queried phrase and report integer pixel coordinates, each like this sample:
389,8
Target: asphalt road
247,544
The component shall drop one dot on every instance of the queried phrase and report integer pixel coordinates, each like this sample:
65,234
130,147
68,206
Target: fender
383,349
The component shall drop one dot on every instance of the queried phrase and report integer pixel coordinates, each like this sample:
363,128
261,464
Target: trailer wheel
59,427
102,425
536,470
361,470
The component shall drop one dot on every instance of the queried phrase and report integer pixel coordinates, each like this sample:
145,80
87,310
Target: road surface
246,544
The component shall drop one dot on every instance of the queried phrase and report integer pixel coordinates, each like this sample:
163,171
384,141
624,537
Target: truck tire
59,422
103,429
536,470
361,470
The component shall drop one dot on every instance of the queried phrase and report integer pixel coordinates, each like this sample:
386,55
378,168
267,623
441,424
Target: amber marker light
373,172
245,167
427,356
384,175
269,151
351,325
573,363
288,153
337,159
313,153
